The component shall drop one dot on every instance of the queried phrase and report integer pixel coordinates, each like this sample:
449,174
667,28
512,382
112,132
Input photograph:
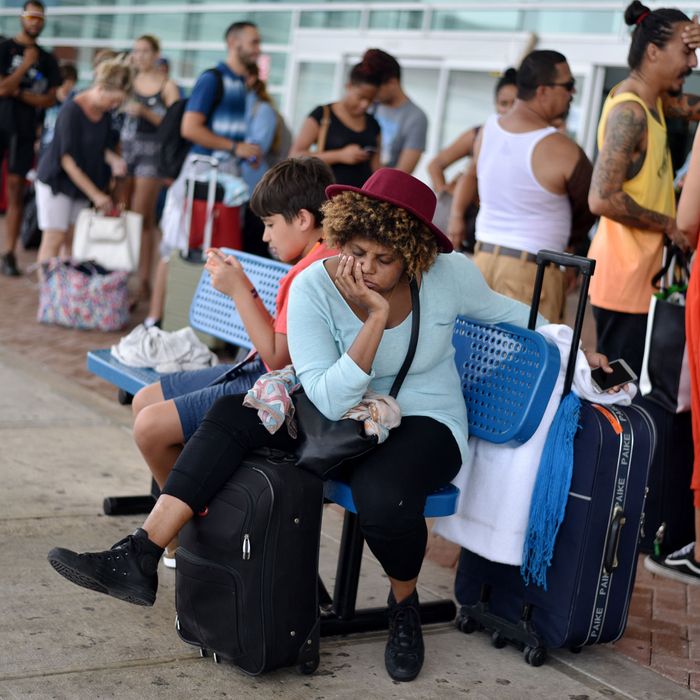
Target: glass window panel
104,27
470,100
314,87
278,69
420,85
196,62
330,20
579,22
396,19
70,26
169,27
473,20
274,26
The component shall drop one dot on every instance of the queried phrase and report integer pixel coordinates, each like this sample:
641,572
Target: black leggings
389,486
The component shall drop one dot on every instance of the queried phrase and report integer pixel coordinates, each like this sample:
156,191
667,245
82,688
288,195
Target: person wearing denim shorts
288,200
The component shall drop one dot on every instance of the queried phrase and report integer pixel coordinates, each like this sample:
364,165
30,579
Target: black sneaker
126,571
404,651
9,265
680,566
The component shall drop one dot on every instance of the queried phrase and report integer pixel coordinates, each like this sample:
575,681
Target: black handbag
323,445
665,376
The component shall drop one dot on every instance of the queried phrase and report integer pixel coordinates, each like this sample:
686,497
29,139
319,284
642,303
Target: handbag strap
323,131
412,343
673,259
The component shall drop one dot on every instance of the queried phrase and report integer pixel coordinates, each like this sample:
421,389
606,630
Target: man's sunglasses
569,85
33,15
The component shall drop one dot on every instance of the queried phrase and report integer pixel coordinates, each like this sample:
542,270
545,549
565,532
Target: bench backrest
215,313
507,375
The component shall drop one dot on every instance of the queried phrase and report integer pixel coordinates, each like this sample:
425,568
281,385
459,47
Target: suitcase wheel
308,667
497,640
466,624
203,652
217,658
535,656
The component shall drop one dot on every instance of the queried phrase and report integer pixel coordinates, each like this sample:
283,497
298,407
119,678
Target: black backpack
173,146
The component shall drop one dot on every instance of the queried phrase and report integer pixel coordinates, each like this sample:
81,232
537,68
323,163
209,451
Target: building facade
451,52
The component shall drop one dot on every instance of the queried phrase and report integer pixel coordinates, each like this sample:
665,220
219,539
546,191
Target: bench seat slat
130,379
439,503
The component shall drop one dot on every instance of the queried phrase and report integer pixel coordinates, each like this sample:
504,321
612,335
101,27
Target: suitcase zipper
246,547
245,544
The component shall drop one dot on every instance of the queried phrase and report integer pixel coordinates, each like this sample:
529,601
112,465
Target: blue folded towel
551,492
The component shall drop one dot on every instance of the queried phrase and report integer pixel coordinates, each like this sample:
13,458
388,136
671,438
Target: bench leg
343,618
131,505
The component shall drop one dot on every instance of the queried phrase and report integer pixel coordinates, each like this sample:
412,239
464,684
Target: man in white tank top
533,185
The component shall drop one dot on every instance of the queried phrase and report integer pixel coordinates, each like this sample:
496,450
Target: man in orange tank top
632,186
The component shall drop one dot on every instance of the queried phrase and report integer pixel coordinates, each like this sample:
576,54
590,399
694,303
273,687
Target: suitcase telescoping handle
213,164
586,266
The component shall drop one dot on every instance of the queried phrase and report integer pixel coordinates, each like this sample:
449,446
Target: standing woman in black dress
345,136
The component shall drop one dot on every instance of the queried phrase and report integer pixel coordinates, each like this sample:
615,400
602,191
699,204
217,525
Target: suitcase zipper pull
246,547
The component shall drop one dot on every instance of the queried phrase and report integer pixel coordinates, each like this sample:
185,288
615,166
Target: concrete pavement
62,449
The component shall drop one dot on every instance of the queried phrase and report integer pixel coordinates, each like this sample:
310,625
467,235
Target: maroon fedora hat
402,190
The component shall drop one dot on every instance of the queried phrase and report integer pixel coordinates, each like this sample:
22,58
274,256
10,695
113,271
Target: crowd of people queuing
356,255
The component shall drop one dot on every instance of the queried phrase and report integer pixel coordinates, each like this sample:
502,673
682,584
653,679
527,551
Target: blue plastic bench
210,312
507,376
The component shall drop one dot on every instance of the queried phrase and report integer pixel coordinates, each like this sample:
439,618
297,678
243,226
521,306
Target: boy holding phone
288,200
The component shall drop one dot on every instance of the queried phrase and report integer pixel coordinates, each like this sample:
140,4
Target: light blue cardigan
321,327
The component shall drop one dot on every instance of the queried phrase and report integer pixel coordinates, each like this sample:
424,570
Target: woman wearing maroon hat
349,328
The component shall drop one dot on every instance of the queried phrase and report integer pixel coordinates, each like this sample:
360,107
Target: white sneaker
169,554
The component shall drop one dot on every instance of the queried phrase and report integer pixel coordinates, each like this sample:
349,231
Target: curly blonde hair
350,215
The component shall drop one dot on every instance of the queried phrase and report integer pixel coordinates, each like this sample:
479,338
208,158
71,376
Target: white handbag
112,241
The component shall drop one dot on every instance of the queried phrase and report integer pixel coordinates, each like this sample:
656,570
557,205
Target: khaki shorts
515,278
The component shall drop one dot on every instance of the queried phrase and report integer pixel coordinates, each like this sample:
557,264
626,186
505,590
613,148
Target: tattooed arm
682,106
621,158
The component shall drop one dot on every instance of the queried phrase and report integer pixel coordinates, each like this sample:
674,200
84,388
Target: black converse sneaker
680,566
404,651
126,571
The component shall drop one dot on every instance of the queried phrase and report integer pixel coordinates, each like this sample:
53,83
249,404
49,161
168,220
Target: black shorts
19,151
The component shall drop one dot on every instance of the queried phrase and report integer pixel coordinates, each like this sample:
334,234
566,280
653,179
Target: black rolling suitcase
247,571
669,515
593,568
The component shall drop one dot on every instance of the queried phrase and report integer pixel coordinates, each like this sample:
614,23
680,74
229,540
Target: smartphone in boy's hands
621,374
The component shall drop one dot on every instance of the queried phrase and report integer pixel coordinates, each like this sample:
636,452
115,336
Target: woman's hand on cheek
352,286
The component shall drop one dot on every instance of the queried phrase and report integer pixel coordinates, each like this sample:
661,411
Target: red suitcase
209,221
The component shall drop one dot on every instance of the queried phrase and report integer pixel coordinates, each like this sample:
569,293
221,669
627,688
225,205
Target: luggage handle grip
613,540
586,267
